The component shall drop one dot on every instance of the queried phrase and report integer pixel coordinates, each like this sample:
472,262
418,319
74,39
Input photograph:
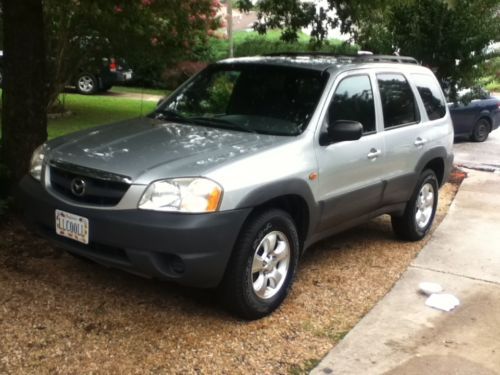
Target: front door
350,183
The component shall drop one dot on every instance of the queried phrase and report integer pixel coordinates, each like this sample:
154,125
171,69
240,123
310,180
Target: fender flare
439,152
287,187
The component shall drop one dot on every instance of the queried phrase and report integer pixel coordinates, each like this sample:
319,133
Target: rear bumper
191,249
110,78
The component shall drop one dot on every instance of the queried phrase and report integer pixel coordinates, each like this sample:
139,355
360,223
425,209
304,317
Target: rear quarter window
431,95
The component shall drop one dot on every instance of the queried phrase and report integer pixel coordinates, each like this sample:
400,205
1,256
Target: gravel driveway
59,314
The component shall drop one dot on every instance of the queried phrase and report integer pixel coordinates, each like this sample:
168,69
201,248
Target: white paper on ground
442,301
428,288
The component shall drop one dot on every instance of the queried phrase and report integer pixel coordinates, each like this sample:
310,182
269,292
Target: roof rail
387,58
350,57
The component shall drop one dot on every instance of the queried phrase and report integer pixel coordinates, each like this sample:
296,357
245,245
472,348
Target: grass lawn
139,90
90,111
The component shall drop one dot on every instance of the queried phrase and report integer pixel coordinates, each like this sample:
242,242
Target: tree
45,42
450,38
24,121
159,31
448,35
293,15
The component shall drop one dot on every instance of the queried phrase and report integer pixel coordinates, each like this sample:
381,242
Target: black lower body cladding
191,249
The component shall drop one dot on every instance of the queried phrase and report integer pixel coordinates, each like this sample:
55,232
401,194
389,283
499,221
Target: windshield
254,98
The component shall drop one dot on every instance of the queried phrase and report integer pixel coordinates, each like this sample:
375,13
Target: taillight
113,65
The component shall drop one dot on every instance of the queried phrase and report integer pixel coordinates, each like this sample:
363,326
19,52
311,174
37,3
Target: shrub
181,71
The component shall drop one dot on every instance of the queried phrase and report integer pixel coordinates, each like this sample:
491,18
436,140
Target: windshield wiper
220,121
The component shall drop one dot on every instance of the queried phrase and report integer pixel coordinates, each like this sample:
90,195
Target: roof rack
350,58
387,58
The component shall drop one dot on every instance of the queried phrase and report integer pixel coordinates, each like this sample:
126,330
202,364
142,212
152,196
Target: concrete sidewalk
401,335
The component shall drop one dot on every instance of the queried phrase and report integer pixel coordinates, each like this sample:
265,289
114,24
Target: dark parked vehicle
475,114
95,75
101,75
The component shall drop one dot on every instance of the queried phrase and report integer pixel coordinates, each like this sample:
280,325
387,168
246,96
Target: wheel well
437,165
297,207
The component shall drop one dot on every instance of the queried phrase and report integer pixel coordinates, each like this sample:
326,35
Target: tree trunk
24,103
230,35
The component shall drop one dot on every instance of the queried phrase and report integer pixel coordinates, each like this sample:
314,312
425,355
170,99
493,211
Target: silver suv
244,167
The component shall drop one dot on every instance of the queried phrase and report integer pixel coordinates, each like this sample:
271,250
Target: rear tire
418,216
261,269
481,130
86,84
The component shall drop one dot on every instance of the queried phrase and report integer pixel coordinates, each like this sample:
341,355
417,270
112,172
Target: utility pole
230,27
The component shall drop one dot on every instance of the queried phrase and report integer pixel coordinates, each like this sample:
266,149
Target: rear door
350,182
412,107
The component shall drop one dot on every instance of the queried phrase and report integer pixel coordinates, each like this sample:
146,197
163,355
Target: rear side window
398,102
353,100
431,96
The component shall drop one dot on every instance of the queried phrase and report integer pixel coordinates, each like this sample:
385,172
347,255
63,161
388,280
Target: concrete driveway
481,156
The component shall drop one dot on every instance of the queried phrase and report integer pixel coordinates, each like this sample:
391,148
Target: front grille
98,191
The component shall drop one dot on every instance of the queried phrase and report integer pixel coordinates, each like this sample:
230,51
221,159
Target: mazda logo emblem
78,186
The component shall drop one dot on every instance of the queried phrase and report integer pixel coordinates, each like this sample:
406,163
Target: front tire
262,266
481,130
418,216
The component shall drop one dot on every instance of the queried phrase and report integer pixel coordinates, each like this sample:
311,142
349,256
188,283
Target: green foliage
292,15
490,78
251,44
149,34
450,39
448,35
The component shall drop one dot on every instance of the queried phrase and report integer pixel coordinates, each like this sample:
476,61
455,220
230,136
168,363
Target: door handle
374,153
420,142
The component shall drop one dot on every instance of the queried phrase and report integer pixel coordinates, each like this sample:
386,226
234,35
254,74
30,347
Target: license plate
72,226
128,76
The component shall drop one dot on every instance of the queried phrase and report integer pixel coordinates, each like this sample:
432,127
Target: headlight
193,195
37,162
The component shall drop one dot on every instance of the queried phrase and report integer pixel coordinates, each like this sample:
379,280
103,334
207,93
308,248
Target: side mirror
341,130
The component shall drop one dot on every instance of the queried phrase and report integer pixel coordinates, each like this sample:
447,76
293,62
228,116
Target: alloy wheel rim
85,83
270,265
425,206
481,130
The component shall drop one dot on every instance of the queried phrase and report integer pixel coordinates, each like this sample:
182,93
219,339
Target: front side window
257,98
353,100
398,103
431,96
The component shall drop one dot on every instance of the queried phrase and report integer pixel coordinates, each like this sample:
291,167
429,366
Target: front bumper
191,249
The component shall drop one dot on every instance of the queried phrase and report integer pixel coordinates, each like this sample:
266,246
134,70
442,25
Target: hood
146,149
